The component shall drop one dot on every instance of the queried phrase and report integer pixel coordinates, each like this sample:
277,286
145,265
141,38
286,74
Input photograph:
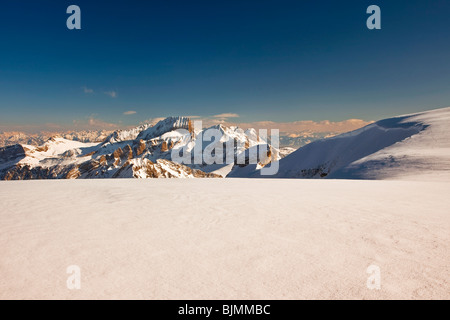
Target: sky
252,61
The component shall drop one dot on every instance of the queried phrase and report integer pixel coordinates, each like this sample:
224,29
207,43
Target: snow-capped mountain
142,152
413,146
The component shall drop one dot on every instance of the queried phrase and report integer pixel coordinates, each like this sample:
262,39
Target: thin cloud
94,123
294,128
87,90
226,115
129,113
112,94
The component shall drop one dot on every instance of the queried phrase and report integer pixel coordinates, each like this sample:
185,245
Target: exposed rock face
118,153
121,172
73,174
164,147
12,153
103,160
167,169
140,148
25,172
268,159
69,154
191,127
44,148
88,166
127,152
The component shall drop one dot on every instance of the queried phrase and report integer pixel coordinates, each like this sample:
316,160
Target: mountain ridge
141,152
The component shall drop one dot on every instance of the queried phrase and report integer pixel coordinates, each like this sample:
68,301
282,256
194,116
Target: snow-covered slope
413,146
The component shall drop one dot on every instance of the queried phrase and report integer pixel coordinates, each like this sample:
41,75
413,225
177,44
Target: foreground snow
228,239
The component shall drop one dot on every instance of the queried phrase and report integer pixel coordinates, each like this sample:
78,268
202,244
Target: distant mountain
12,138
141,152
410,146
299,140
285,151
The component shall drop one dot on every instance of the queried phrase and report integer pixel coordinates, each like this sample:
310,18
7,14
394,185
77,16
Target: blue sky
263,60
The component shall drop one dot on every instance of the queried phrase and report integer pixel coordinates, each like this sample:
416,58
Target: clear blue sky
264,60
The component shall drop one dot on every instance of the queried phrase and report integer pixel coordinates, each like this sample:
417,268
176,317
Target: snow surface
224,239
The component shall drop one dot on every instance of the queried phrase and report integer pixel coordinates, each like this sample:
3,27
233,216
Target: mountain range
141,152
400,147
